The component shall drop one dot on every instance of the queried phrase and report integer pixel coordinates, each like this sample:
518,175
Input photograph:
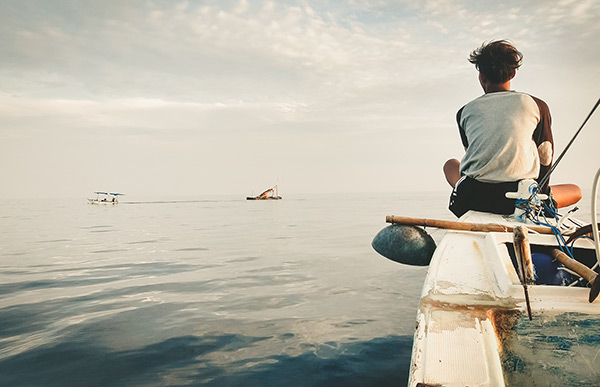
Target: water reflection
205,292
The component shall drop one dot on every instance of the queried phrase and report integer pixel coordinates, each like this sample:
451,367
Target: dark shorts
470,194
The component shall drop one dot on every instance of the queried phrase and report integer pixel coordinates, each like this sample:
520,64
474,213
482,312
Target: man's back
497,130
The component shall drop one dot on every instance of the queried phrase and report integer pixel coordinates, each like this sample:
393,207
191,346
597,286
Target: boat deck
472,325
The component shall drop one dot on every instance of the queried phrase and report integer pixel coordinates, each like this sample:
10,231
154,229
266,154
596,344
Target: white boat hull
102,202
472,325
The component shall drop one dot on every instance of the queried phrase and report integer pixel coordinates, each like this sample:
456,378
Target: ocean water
207,291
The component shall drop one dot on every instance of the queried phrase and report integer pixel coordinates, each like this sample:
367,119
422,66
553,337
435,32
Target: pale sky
191,98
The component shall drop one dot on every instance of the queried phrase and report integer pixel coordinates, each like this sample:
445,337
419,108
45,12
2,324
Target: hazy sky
171,98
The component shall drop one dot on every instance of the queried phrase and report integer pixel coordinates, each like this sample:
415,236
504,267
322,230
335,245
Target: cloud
245,77
195,53
244,51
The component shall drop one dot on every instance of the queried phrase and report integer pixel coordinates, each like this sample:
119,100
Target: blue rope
537,215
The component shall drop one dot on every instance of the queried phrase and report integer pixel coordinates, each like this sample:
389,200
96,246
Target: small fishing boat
106,198
270,194
507,300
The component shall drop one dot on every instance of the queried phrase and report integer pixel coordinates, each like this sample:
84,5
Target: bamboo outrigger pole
585,272
463,226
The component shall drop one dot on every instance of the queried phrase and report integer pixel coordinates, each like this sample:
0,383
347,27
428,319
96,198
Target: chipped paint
472,329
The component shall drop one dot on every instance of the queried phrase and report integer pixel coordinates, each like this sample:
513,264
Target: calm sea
207,291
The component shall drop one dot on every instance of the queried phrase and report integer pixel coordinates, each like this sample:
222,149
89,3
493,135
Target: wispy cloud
317,70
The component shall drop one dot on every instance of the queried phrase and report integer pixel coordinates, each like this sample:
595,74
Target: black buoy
410,245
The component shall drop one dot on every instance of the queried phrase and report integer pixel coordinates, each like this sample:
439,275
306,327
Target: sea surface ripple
217,292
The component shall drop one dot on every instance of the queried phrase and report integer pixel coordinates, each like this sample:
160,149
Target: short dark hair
497,60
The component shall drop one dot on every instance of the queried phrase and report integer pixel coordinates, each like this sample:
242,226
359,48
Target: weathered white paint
470,276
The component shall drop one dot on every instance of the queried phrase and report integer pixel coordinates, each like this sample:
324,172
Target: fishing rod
547,175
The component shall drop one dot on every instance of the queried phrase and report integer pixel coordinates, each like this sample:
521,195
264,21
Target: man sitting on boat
507,137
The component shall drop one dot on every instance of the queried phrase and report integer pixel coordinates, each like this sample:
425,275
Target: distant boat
270,194
106,198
